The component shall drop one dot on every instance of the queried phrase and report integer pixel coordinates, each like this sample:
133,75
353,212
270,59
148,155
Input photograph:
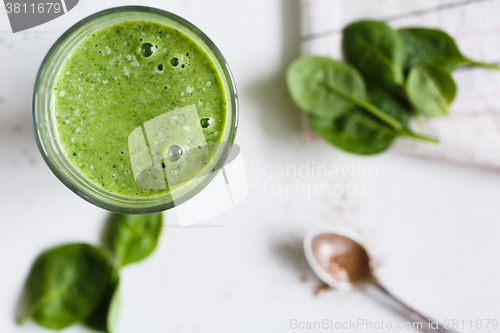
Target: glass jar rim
56,160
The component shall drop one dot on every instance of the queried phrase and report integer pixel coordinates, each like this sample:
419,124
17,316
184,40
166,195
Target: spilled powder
320,288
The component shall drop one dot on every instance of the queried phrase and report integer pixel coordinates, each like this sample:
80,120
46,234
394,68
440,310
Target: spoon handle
414,315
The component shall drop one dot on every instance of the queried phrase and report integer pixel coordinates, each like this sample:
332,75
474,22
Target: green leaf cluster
79,283
363,104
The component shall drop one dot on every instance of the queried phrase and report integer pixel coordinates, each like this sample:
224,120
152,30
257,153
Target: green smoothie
122,76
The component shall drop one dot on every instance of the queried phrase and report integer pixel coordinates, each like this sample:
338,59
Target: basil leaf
430,89
103,317
327,88
132,238
376,50
434,46
64,285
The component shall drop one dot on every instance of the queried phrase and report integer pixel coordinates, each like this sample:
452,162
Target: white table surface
432,227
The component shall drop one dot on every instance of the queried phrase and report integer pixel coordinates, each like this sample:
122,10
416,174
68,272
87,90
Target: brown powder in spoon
342,258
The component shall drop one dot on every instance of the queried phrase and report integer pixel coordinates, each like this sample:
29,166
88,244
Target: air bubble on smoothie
209,83
114,175
147,49
174,62
205,122
174,153
189,89
160,67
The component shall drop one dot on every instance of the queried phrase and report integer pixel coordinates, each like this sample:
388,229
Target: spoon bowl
339,259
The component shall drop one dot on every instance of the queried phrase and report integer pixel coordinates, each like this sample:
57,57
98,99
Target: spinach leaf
430,89
324,87
327,89
434,46
376,50
355,132
359,132
64,285
390,104
397,108
103,317
132,238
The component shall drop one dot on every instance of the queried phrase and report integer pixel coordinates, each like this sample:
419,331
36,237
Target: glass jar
44,118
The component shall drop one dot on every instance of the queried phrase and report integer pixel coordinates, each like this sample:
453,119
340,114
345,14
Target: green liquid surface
118,78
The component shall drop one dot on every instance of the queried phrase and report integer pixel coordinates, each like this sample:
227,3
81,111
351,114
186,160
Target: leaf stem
483,64
418,136
379,114
368,107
